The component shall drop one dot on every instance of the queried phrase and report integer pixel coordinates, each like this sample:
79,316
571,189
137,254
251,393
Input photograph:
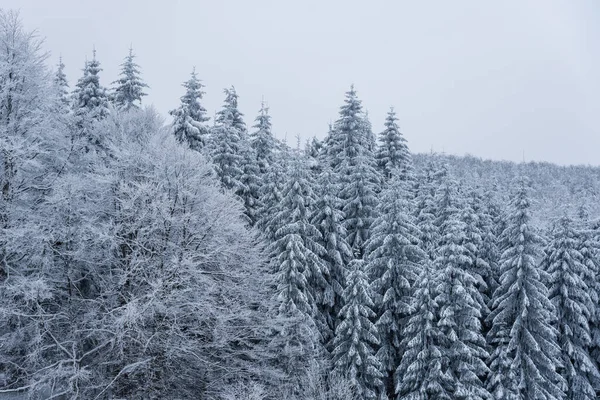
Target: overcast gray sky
490,78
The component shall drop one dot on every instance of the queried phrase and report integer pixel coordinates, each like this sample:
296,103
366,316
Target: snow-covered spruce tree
262,140
356,336
367,127
61,87
525,355
227,143
129,88
478,267
91,100
190,117
570,293
460,305
394,259
346,139
589,247
360,185
300,275
270,195
250,183
422,370
424,207
488,248
230,113
328,219
393,156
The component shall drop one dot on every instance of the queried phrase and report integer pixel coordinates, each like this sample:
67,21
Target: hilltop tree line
207,259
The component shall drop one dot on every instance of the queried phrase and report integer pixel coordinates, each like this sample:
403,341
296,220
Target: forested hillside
201,258
556,189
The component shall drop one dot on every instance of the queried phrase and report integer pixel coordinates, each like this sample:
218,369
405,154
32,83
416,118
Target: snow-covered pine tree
189,118
359,200
250,183
230,113
129,88
460,304
228,141
61,86
394,260
347,152
525,355
356,336
262,140
346,139
589,247
570,293
424,207
422,370
91,98
301,274
393,156
328,219
479,267
367,127
270,196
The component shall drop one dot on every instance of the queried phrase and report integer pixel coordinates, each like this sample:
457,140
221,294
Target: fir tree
301,274
570,294
346,140
262,140
478,266
270,195
250,182
424,207
359,201
394,259
356,337
189,118
589,247
367,127
422,374
91,99
62,87
328,218
230,114
525,355
464,347
393,156
228,143
130,87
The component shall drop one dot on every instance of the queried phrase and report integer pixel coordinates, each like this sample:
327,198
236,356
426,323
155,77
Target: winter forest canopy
202,258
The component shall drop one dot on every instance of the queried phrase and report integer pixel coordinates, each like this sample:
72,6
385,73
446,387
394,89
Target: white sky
493,79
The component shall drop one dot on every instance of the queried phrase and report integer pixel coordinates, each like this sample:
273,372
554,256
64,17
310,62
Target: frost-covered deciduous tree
130,87
394,259
148,285
525,355
356,336
571,285
190,117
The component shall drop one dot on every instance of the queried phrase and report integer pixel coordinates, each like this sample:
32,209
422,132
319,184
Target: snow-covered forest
186,257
